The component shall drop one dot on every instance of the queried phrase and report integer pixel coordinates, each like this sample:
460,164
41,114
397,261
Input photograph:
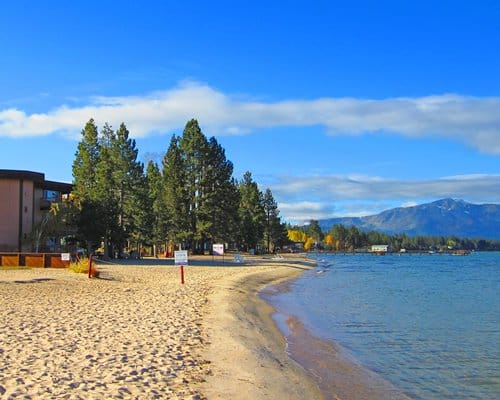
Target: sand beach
137,333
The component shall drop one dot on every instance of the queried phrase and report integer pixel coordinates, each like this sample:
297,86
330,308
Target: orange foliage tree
329,242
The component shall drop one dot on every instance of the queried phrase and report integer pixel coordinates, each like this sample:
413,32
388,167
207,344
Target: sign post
181,258
218,250
90,266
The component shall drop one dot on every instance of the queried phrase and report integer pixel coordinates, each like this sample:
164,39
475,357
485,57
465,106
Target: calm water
429,324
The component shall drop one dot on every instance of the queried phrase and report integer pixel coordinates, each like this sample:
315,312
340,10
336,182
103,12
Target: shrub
81,266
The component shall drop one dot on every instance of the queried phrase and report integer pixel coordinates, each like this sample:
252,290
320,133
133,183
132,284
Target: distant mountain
440,218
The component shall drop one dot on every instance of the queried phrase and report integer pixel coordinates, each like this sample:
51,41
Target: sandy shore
137,333
247,349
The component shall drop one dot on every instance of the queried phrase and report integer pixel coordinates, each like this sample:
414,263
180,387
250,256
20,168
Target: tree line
348,239
190,201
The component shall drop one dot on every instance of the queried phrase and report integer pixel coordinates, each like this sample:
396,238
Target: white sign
65,257
218,249
181,257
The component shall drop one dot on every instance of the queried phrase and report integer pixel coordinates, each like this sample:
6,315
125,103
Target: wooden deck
34,260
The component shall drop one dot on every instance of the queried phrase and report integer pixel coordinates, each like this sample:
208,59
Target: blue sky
340,108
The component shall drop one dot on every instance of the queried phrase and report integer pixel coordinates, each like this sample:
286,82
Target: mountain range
446,217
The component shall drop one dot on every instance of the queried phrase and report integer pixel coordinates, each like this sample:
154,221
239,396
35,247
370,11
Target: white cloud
302,199
409,204
303,211
347,188
473,120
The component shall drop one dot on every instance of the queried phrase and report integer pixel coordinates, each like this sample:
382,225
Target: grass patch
12,267
82,267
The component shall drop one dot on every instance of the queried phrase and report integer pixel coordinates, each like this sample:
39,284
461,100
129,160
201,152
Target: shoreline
337,374
251,362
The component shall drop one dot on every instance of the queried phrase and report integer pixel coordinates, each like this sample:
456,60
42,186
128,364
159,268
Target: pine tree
84,165
194,148
220,197
91,227
130,188
252,214
107,202
273,228
174,199
193,201
314,231
154,211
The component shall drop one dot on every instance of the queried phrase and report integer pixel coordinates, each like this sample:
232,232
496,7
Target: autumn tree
297,235
329,242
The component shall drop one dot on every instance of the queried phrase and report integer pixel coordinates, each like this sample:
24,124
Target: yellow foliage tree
330,241
308,244
296,235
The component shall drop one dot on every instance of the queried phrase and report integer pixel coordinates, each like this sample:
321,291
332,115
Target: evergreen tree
281,238
174,199
84,165
85,187
199,191
154,209
252,214
273,228
194,147
314,231
106,198
130,188
192,202
340,234
217,213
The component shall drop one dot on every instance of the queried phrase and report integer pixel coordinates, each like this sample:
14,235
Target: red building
25,198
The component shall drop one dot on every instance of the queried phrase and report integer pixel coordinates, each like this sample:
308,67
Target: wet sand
339,376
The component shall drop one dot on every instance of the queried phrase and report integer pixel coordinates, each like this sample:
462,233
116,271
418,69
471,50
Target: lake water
427,324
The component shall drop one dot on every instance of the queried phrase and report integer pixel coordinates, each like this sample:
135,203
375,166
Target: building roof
38,178
14,174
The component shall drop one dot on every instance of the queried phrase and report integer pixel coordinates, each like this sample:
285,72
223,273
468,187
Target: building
380,249
25,198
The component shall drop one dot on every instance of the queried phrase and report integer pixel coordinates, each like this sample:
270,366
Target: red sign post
181,258
90,266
